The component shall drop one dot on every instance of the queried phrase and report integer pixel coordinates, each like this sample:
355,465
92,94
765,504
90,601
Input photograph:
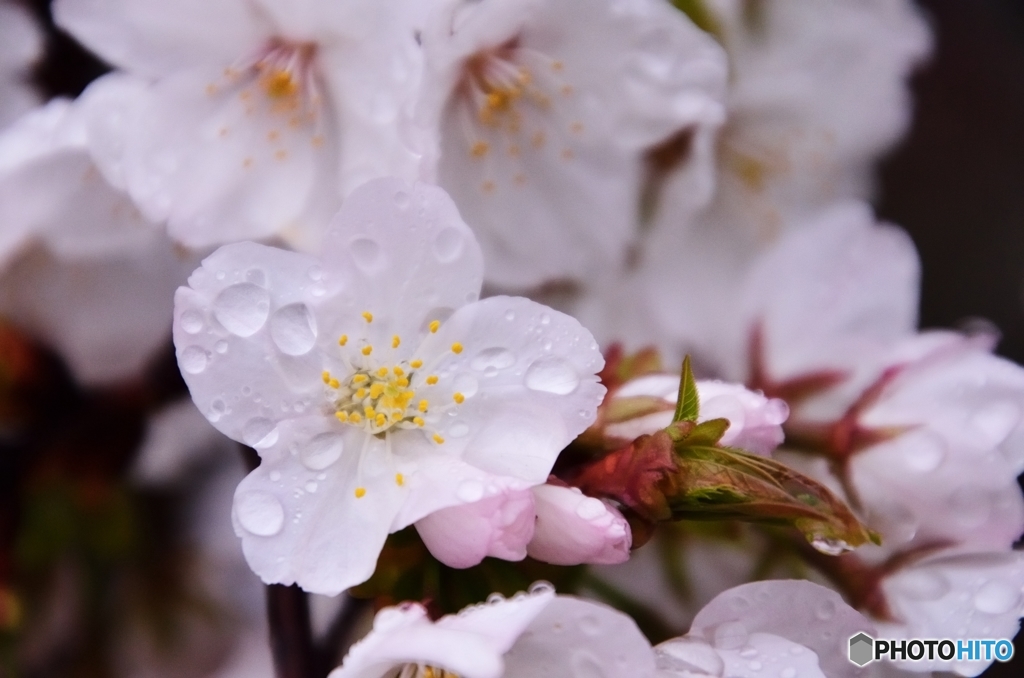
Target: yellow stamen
280,84
456,348
367,316
355,417
398,371
479,149
395,341
326,376
403,382
418,421
416,364
434,324
422,407
438,439
359,378
334,383
432,379
342,340
399,479
360,492
360,393
342,416
367,350
458,398
376,390
382,372
381,420
369,411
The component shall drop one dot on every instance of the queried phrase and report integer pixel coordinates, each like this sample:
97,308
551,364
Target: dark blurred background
956,183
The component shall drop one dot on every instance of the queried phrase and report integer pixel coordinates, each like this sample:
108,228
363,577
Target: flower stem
291,637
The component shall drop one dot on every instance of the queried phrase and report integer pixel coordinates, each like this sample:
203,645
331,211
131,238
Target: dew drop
256,277
221,347
470,491
495,357
590,625
242,309
730,636
552,375
275,476
193,359
322,451
458,430
315,273
545,319
259,432
510,315
448,245
311,487
830,547
541,587
367,253
970,506
293,329
191,321
754,666
788,672
922,585
825,610
259,513
996,597
924,452
466,384
993,422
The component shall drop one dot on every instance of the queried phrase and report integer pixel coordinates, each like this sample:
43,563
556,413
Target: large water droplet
924,451
322,451
221,347
730,636
242,309
259,432
293,329
193,359
495,358
825,610
367,253
191,321
448,245
922,585
996,597
466,384
552,375
259,513
830,547
470,491
994,421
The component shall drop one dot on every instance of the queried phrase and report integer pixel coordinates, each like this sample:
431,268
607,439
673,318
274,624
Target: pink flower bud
573,528
499,526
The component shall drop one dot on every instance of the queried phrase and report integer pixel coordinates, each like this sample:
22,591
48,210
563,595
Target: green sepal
687,402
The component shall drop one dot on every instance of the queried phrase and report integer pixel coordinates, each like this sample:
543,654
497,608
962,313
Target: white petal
573,529
528,375
573,636
298,515
154,38
502,621
21,43
799,611
771,654
235,370
972,595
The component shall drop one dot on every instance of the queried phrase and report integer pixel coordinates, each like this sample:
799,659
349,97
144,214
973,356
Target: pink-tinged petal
299,514
755,422
502,621
799,611
499,526
573,636
573,529
155,38
766,653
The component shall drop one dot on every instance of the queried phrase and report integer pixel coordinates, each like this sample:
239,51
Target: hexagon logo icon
861,649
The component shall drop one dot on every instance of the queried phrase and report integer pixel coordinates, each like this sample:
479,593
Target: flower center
421,671
378,399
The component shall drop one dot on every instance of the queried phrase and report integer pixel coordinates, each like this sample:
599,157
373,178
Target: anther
355,417
399,479
343,340
416,364
459,398
341,416
398,371
367,350
479,149
360,492
418,421
380,419
434,324
369,412
395,341
432,379
359,378
456,348
382,372
422,407
367,316
326,376
334,383
360,393
438,439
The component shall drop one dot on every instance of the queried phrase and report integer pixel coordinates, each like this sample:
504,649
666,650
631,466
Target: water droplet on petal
552,375
924,451
191,321
970,506
259,432
466,384
586,665
689,654
922,585
730,636
495,357
539,587
322,451
193,359
996,597
788,672
259,513
470,491
754,666
242,309
367,253
510,315
315,273
293,329
275,476
448,245
221,347
993,422
458,430
590,625
825,610
545,319
256,277
311,487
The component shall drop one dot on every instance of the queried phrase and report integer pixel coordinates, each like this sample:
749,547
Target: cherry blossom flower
817,92
783,627
80,267
755,422
21,43
263,115
374,385
544,110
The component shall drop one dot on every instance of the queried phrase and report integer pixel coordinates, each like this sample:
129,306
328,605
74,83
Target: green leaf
715,483
700,15
687,403
706,433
